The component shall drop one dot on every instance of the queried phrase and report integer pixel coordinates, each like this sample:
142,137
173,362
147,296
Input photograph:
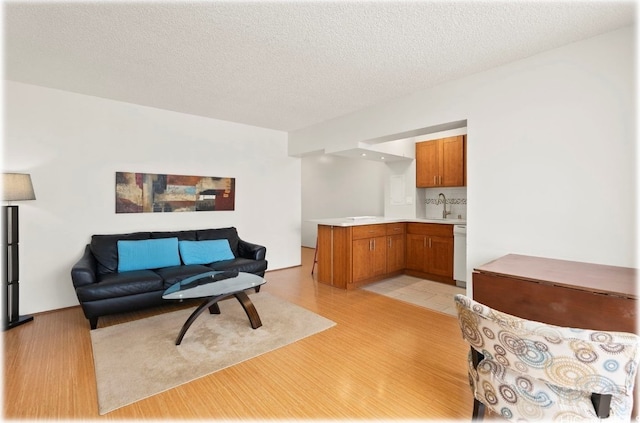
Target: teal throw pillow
205,252
148,254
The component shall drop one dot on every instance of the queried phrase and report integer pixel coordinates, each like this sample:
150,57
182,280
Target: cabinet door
361,259
395,253
379,256
415,258
440,256
427,164
453,162
369,258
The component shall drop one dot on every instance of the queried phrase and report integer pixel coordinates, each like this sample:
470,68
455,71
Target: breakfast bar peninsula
355,251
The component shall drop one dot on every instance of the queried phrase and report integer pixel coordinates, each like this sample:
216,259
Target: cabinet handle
389,242
429,242
424,241
435,180
370,244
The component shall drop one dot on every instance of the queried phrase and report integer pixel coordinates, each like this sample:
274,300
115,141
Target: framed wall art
159,193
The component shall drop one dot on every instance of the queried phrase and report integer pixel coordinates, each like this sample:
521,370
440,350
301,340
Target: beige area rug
138,359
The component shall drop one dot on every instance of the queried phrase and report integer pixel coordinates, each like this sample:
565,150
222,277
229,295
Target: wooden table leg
212,304
249,308
209,302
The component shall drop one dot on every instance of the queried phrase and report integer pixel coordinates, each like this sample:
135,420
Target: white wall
551,150
73,144
336,186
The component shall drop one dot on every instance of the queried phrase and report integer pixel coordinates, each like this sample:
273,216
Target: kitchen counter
354,251
374,220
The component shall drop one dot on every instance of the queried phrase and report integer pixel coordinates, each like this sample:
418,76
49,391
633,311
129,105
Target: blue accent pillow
205,252
147,254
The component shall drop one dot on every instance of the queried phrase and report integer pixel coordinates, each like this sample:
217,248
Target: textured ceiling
281,64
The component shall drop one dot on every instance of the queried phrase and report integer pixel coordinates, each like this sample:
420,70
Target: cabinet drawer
434,229
396,228
367,231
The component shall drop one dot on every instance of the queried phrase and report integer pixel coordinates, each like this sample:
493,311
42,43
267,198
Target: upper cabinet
441,163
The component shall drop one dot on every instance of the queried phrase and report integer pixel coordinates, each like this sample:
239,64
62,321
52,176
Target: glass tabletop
212,284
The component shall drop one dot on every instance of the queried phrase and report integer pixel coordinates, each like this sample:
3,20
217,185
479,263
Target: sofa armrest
251,251
84,271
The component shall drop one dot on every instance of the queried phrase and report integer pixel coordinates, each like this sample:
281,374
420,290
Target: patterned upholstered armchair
525,370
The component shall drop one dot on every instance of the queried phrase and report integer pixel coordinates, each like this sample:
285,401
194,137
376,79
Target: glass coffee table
215,286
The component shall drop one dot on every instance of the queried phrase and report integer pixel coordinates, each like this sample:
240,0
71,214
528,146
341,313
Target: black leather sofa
102,290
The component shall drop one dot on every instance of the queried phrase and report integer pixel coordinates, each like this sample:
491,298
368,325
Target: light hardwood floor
385,359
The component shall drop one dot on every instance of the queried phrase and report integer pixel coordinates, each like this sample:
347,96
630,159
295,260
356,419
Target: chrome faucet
444,205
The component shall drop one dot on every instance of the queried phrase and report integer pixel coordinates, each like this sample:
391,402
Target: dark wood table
560,292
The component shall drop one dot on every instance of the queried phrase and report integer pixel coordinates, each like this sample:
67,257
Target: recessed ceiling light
381,157
364,154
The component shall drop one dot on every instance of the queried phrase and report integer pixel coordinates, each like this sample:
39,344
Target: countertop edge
346,222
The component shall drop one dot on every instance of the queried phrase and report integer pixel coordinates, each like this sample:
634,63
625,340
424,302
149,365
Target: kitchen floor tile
421,292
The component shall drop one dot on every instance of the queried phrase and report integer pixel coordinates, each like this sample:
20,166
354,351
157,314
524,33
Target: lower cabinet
352,256
369,253
440,256
430,251
416,252
396,247
369,258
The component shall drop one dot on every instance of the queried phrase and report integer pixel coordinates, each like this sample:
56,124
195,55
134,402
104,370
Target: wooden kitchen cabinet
430,251
334,255
440,256
416,247
441,163
351,256
395,247
427,163
369,252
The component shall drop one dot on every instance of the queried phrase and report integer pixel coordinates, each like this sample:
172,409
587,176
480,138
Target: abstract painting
153,193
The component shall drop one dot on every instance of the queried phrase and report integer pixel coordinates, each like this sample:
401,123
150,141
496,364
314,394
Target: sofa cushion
105,249
241,265
147,254
175,274
205,252
114,285
231,234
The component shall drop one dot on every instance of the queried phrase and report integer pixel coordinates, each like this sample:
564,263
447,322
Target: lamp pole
17,187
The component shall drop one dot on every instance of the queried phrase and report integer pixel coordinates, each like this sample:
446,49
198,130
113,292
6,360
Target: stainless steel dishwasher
460,255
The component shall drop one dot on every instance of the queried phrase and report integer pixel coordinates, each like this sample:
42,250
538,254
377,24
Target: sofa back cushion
105,249
181,235
205,252
147,254
230,234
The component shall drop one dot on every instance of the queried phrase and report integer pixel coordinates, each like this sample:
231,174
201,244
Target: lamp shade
17,187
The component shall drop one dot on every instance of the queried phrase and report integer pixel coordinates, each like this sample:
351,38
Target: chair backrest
578,359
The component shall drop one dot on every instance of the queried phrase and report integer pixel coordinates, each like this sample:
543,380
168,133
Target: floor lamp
17,187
